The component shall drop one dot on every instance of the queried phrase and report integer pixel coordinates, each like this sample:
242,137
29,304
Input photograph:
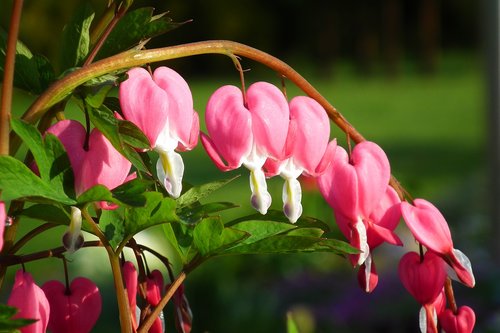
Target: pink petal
30,301
130,278
373,173
72,135
180,112
368,276
76,312
3,217
425,279
144,103
193,137
312,136
214,154
154,287
428,226
462,267
103,164
327,158
385,218
229,125
462,322
270,118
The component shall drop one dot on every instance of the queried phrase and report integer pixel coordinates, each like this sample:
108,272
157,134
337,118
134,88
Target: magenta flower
461,322
162,107
247,134
130,280
365,207
154,288
307,151
3,217
31,302
99,163
429,227
74,309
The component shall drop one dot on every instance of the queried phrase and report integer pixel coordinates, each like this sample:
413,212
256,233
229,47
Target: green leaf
112,226
47,213
210,236
194,213
135,27
51,158
76,37
96,96
157,210
132,135
19,182
309,232
262,229
132,192
104,119
293,244
291,326
196,193
32,72
180,237
10,325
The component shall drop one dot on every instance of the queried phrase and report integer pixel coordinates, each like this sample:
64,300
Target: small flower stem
450,297
8,77
149,320
26,238
114,260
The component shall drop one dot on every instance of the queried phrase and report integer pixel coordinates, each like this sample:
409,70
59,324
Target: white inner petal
422,320
292,196
170,169
465,262
261,199
73,237
368,272
363,241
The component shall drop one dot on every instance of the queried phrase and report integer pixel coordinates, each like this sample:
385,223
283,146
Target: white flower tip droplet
73,237
170,170
292,197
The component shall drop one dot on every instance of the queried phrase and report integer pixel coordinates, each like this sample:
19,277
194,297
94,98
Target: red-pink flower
3,217
130,280
99,163
365,207
31,302
429,227
161,105
461,322
307,150
74,309
154,288
247,134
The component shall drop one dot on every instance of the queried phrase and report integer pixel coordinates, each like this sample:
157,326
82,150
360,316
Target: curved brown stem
26,238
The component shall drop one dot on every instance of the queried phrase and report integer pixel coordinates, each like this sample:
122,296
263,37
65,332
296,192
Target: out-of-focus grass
432,128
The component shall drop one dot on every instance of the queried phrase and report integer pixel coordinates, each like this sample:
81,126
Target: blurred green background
409,75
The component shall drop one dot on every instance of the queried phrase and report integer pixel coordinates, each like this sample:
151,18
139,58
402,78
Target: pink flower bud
461,322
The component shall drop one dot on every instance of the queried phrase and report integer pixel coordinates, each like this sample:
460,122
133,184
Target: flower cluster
59,308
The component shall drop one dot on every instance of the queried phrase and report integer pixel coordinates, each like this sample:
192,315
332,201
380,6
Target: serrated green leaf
292,244
19,182
193,214
132,192
32,72
10,325
112,226
262,229
210,236
196,193
309,232
157,210
96,193
47,213
132,135
76,38
180,237
136,26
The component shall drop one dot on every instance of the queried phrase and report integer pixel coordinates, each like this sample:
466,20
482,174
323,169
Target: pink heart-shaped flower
462,322
75,310
425,279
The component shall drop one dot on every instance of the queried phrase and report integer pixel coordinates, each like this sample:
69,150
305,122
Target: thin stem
450,297
8,77
149,320
114,260
26,238
161,257
66,276
11,259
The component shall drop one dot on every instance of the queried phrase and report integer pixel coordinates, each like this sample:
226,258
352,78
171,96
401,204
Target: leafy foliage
7,324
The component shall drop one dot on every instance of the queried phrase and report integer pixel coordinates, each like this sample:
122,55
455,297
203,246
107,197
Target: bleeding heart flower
99,163
307,151
75,309
3,217
247,134
130,280
429,227
184,316
424,279
367,275
366,208
154,287
31,303
461,322
161,105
